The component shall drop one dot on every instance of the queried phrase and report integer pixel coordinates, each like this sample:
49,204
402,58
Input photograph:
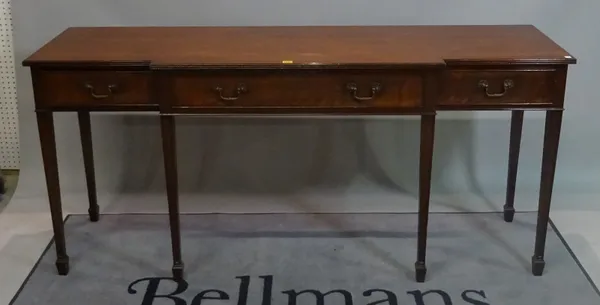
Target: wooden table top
303,46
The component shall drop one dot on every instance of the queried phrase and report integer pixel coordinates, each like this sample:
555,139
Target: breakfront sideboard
308,70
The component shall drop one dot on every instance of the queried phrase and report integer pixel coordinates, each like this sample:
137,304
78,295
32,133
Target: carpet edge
35,266
68,216
573,256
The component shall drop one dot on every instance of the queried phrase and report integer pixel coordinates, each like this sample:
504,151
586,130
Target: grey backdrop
267,156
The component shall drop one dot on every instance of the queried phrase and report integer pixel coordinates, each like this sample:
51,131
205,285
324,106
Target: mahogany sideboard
310,70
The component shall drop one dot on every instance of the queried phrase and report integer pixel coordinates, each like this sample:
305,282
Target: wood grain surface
334,46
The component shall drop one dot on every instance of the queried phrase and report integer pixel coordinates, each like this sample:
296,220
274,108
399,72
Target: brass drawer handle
241,88
353,88
111,89
508,83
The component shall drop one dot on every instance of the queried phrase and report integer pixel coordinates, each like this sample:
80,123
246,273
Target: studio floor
25,227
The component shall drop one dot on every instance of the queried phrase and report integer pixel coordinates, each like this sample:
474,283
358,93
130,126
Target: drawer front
298,90
472,88
95,89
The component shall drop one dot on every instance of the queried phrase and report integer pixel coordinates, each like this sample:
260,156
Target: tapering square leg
551,140
45,123
167,123
425,164
85,131
516,130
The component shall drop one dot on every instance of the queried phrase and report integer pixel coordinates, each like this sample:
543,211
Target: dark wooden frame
435,79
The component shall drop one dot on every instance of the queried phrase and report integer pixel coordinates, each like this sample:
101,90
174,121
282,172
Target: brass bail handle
508,84
111,89
241,88
353,88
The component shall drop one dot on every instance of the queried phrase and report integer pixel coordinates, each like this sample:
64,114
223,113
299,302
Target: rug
308,259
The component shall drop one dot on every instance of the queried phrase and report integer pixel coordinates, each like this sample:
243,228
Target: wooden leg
425,163
85,131
167,123
516,128
46,131
551,139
